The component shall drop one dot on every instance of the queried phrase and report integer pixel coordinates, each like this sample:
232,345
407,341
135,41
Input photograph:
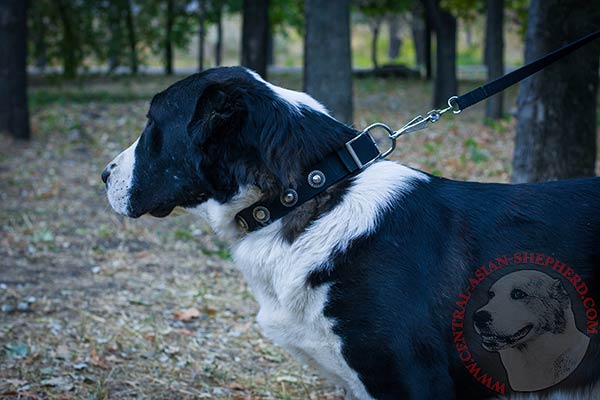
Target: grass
107,291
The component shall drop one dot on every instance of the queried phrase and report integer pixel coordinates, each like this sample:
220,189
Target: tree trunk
116,36
375,26
427,49
327,57
444,24
169,38
69,44
270,47
418,35
556,126
494,44
469,34
133,61
39,40
395,41
201,32
14,114
219,41
255,35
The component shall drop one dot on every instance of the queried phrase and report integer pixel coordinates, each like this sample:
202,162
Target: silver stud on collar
261,214
242,224
316,179
289,198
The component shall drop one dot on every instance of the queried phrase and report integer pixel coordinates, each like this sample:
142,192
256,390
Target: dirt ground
95,306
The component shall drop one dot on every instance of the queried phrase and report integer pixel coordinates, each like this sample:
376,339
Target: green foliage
467,10
476,154
517,11
283,13
464,9
150,16
70,32
470,55
379,8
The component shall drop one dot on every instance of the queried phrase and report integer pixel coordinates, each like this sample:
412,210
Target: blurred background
97,306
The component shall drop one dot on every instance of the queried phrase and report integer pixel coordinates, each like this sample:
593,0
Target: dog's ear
558,292
220,110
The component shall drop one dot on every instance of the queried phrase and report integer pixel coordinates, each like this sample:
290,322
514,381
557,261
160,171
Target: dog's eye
491,294
517,294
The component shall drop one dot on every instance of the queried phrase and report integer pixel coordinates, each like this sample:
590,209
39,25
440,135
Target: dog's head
522,305
214,134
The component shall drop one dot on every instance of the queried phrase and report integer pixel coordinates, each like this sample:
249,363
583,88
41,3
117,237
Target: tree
218,10
38,32
201,32
376,11
70,43
444,25
114,12
421,33
255,35
494,50
169,17
556,125
14,114
327,57
131,38
394,41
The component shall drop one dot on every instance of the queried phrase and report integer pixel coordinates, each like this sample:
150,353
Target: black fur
220,130
392,292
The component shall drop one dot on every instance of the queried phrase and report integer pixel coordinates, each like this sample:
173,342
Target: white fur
291,312
120,179
296,99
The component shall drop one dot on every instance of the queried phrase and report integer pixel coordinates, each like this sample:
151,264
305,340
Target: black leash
498,85
362,151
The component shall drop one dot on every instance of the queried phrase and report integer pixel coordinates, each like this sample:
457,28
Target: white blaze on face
120,179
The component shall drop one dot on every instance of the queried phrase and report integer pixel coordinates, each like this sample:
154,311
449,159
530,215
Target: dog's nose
482,318
106,172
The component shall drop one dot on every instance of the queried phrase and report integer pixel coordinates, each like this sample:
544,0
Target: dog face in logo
522,306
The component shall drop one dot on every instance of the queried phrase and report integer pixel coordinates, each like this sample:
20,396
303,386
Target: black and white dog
363,280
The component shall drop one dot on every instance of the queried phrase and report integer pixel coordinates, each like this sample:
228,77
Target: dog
529,320
360,280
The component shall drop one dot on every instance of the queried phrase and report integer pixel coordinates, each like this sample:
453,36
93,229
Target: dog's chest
291,311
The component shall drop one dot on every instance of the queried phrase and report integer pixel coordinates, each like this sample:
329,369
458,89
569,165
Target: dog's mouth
493,342
166,210
161,212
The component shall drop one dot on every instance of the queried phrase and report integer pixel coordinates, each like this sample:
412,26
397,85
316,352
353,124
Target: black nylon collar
346,161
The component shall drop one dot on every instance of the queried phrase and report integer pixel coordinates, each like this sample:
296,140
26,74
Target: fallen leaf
15,382
171,350
185,332
187,314
96,360
287,378
236,386
62,352
150,337
209,310
61,383
18,350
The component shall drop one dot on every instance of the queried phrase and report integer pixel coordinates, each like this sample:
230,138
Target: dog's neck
547,359
292,247
221,217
